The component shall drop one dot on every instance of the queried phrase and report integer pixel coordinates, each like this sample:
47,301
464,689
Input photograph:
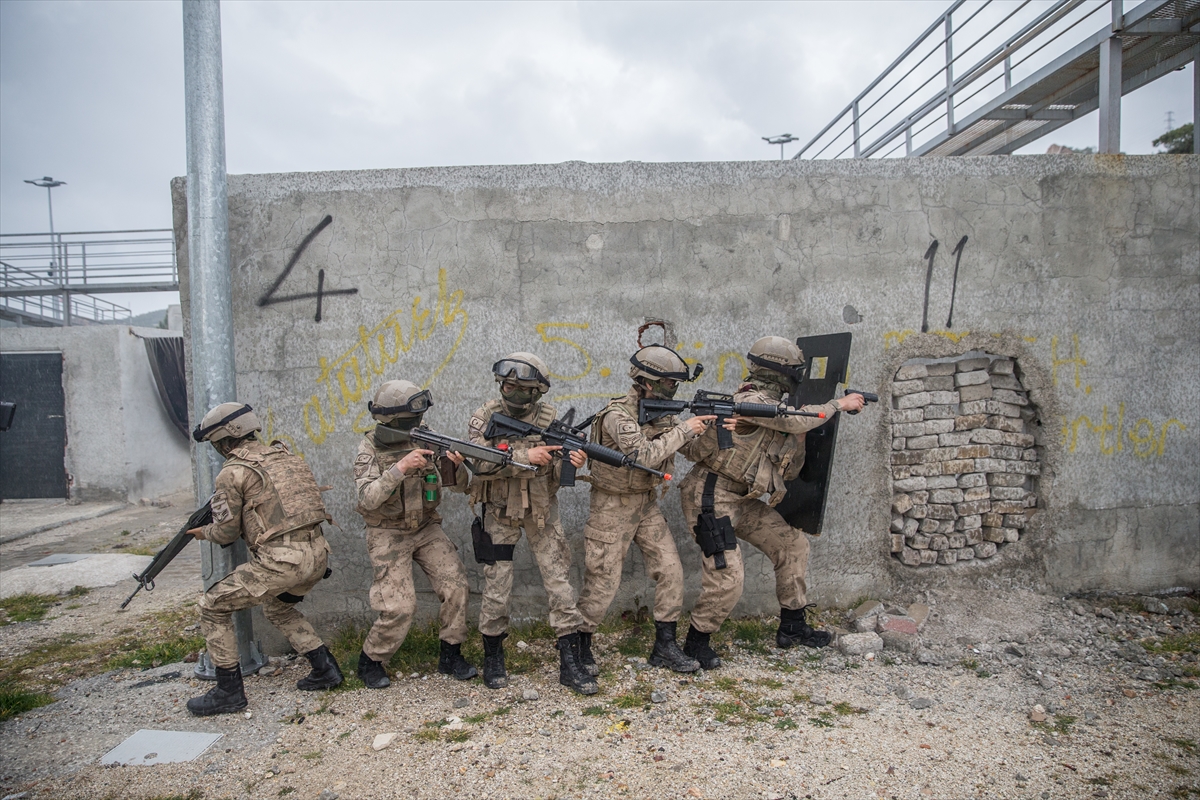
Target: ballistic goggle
515,369
199,433
796,373
419,403
687,375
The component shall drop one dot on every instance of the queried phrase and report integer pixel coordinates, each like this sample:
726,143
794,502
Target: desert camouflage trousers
394,595
292,563
614,521
552,555
754,522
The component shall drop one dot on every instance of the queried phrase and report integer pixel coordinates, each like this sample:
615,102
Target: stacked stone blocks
964,461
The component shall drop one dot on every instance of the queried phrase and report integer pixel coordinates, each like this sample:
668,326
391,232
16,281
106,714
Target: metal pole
949,76
1110,86
210,295
856,147
1196,99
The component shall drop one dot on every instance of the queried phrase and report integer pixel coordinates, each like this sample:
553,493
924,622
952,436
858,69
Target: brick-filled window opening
964,462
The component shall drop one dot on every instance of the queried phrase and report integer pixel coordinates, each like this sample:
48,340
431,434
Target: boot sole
586,689
474,672
215,712
319,686
662,662
501,683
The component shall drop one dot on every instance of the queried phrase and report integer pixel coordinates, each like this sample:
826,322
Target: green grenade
431,492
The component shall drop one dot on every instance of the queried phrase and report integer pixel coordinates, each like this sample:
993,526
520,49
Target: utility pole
209,294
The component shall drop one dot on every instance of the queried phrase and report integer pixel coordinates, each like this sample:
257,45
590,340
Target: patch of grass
428,735
501,711
1178,770
125,533
595,711
458,736
344,735
286,791
77,591
156,655
1175,683
1185,792
194,794
725,683
26,607
736,711
147,549
312,756
74,606
769,683
1101,781
801,697
1183,744
845,709
787,724
370,715
751,634
1062,724
13,702
1178,643
822,720
969,663
632,699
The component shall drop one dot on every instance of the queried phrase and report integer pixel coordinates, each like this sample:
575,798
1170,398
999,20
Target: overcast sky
92,92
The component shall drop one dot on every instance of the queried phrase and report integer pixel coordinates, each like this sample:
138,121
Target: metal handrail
88,262
865,114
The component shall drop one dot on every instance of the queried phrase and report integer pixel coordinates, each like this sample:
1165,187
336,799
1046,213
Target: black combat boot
325,672
666,650
451,662
794,630
570,672
696,645
228,696
372,672
586,659
494,675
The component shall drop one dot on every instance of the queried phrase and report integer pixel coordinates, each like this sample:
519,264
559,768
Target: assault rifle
868,397
441,444
564,433
722,406
199,518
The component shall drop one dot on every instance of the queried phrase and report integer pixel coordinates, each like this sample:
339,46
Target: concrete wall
121,444
1084,269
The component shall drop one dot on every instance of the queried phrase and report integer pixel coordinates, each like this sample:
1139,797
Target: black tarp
166,362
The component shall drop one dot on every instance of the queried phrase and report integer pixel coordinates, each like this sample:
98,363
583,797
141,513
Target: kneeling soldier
267,495
726,486
398,495
624,506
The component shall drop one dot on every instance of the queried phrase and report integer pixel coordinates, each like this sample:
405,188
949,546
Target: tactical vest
288,498
406,509
763,459
531,491
622,480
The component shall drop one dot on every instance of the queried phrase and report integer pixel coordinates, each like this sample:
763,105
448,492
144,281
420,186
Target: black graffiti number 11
269,298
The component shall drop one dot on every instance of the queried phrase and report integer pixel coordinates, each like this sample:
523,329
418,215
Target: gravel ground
1019,696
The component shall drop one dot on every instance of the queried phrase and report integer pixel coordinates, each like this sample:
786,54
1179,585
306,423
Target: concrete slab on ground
21,518
106,569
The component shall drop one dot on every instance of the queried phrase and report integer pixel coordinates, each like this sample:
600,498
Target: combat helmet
227,421
660,369
523,379
777,354
398,407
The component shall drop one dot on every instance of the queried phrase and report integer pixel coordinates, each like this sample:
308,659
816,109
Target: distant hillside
151,319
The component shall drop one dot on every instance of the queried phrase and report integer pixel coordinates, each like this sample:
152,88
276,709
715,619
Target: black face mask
394,432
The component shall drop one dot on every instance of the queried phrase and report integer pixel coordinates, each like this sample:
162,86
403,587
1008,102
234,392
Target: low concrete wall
1083,269
121,444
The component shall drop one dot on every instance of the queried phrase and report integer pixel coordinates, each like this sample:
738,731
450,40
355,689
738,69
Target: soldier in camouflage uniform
267,495
767,453
624,505
398,495
516,500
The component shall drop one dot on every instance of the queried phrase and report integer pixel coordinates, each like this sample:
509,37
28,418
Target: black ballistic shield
828,356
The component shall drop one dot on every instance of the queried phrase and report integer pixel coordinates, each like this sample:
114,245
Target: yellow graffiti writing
897,337
1076,360
543,327
347,379
1147,439
269,434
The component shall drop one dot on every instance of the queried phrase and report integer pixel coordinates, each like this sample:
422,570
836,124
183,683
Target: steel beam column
1110,86
210,296
1196,99
949,75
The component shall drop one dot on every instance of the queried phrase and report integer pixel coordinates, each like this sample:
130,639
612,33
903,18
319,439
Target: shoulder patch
362,463
477,424
627,426
220,508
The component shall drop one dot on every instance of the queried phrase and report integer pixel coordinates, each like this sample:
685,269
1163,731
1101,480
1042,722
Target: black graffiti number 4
269,297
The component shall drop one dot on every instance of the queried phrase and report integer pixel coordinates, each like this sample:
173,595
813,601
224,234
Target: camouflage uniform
624,509
767,453
517,500
402,527
267,495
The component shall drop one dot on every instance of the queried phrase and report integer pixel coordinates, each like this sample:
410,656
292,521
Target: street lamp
48,183
781,140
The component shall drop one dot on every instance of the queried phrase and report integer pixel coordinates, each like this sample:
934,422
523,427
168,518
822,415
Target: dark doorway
32,451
